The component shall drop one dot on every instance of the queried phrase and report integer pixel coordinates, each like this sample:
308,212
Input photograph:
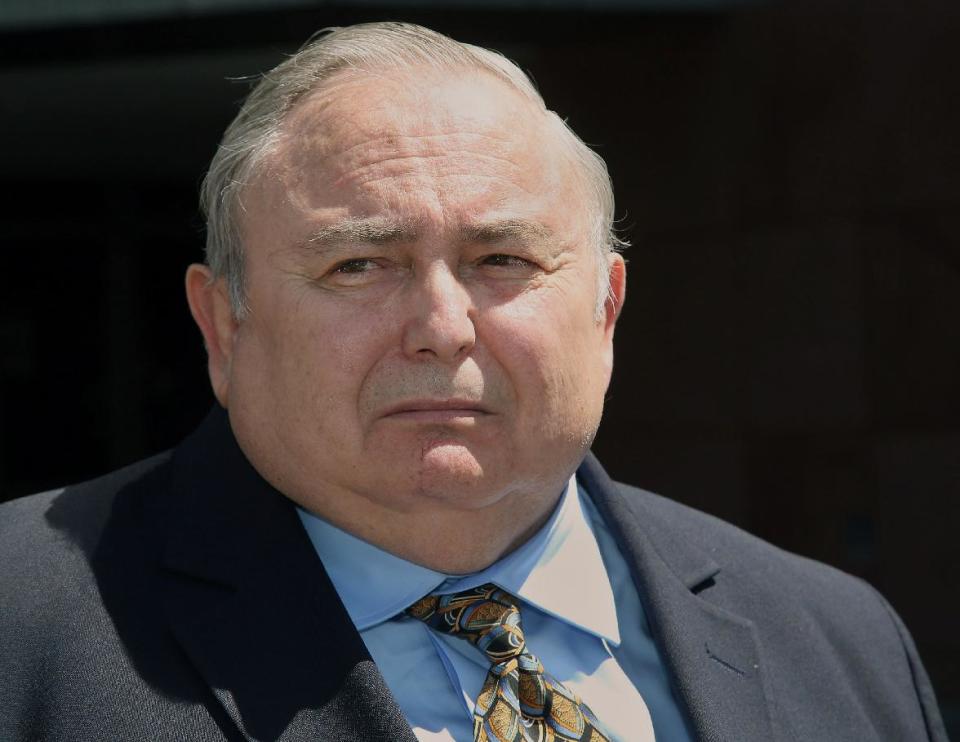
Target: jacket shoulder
83,507
806,614
731,546
765,583
47,539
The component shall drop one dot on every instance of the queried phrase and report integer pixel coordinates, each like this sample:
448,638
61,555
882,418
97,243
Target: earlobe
210,306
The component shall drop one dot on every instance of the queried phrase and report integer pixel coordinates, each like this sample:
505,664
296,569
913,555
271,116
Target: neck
453,541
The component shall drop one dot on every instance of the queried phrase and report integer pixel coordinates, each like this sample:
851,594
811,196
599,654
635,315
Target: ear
618,291
210,306
611,308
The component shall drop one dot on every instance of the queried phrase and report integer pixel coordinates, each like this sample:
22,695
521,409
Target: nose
441,323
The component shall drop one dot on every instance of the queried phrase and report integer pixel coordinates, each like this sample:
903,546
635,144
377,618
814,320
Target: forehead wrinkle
474,176
393,139
394,165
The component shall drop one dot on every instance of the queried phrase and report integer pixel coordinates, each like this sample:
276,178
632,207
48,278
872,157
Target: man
388,530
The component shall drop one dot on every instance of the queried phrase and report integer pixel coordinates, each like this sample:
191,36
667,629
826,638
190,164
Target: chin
455,474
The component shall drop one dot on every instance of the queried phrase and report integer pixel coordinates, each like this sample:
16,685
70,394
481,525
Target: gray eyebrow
371,231
380,231
519,230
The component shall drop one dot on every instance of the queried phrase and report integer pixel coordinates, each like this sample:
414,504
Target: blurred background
788,173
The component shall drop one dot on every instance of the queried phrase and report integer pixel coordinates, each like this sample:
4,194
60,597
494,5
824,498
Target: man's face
422,333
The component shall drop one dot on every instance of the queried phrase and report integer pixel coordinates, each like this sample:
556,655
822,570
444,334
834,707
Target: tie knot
486,616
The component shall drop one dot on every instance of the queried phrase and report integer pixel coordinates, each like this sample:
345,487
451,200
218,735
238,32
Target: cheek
297,362
545,361
553,350
338,335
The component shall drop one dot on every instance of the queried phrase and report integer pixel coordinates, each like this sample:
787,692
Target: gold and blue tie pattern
519,702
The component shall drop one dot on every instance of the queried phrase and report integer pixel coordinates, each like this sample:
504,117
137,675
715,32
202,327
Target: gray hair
368,47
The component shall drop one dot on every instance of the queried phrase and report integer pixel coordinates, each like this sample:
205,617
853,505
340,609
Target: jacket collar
713,655
253,609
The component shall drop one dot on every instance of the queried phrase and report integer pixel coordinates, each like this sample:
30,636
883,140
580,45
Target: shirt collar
559,570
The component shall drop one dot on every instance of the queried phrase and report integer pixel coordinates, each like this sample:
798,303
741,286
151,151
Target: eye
505,261
355,265
354,273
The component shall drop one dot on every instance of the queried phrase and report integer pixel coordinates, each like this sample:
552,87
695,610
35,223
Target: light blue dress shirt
580,612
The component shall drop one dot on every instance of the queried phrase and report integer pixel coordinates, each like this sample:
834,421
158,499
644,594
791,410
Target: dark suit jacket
180,599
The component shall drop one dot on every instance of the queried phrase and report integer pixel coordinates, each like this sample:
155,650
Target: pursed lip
436,409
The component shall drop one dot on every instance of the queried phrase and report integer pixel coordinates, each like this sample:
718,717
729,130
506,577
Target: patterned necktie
519,702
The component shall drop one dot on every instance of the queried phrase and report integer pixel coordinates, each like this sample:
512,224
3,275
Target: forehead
403,139
399,110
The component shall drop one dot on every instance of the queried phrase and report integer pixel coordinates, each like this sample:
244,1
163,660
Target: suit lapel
713,655
250,604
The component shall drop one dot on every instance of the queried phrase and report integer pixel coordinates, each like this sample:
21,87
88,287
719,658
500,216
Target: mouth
436,410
